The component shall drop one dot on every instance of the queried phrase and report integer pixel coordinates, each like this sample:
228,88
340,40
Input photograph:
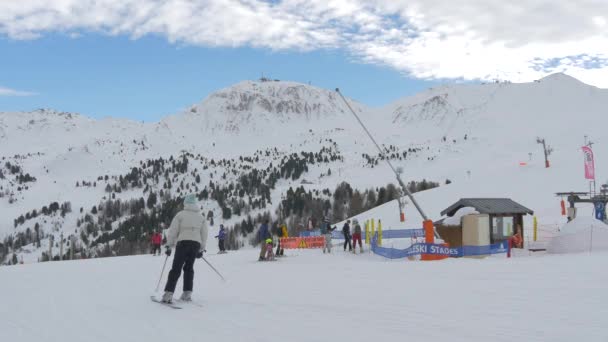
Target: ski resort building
478,221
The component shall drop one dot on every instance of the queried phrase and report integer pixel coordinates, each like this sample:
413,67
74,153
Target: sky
143,59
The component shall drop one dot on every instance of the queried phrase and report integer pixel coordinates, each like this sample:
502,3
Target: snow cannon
429,228
429,237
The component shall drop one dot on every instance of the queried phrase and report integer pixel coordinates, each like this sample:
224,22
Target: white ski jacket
188,224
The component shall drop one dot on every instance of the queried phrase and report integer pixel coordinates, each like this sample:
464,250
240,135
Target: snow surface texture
456,220
583,234
309,296
477,136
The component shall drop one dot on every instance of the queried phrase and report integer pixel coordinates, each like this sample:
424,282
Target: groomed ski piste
309,296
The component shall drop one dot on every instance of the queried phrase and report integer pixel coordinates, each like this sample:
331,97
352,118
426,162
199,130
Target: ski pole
161,273
213,268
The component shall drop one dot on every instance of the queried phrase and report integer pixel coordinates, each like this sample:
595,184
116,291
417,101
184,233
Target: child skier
221,236
326,230
357,237
157,239
269,247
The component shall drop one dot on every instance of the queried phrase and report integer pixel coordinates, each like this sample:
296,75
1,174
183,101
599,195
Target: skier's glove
199,254
168,251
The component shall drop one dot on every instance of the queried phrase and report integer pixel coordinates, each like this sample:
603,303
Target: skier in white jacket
188,234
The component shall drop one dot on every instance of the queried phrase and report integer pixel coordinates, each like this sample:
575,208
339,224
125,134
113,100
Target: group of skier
188,231
326,230
267,242
355,236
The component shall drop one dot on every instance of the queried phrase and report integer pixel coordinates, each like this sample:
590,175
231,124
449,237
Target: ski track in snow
309,296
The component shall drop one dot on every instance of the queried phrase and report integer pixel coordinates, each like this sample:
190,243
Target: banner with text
435,249
589,163
387,234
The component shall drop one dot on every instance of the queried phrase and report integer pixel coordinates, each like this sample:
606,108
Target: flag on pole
589,163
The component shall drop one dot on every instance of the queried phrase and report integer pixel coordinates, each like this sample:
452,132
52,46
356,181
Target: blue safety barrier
435,249
310,233
402,233
387,234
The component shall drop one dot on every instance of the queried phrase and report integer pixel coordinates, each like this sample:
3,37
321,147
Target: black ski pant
155,248
221,245
347,242
185,254
279,249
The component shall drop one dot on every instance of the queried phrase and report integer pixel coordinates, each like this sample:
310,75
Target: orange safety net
303,242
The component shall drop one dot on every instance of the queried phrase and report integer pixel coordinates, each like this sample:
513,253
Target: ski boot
186,296
167,297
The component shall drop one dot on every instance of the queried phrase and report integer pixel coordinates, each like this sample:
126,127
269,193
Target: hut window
502,228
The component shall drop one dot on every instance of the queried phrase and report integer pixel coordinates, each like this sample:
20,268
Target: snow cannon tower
429,228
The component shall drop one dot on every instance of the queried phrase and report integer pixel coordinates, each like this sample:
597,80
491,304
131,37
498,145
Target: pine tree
226,213
152,199
371,199
37,229
356,204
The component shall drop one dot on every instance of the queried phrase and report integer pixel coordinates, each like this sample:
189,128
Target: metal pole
213,268
61,247
591,242
51,248
546,154
161,273
405,189
72,241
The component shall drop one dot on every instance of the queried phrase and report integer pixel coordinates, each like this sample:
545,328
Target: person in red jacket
157,239
517,239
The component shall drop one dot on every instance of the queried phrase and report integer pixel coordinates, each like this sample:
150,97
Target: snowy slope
474,135
262,106
308,296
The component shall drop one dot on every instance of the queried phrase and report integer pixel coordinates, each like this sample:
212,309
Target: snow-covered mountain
475,135
259,106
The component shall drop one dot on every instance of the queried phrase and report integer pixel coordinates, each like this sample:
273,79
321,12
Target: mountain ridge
444,133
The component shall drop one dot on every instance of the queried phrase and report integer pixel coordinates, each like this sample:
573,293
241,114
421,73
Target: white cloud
12,92
466,39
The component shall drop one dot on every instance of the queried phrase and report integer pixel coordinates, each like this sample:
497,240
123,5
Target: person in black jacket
347,236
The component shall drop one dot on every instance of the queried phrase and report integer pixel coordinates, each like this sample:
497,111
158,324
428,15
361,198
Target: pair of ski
173,305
